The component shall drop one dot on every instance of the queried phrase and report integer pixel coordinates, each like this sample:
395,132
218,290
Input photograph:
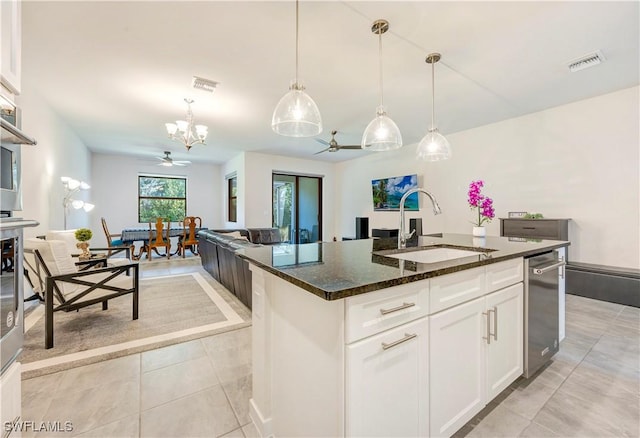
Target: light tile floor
201,388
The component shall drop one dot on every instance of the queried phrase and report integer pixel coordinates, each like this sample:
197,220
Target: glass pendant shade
296,115
433,147
382,134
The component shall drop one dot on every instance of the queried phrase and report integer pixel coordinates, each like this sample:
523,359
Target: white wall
115,191
578,161
59,152
259,169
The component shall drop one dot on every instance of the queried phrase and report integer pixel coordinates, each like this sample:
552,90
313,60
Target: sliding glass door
297,207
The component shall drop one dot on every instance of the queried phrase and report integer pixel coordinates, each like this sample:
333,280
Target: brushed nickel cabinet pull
407,337
488,315
495,323
395,309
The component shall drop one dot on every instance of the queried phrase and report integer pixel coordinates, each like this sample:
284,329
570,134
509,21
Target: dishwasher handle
540,271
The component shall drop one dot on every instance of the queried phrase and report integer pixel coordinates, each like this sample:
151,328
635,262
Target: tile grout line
140,400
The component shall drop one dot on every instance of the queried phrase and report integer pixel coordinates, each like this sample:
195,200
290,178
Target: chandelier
182,130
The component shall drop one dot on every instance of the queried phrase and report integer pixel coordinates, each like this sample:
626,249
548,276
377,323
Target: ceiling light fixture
72,186
433,146
382,134
296,114
182,130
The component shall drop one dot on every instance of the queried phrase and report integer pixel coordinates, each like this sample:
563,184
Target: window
232,195
161,196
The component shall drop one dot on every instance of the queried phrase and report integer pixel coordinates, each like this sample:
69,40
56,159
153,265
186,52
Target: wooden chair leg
105,305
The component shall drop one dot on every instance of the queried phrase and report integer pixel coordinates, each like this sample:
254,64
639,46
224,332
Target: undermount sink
433,255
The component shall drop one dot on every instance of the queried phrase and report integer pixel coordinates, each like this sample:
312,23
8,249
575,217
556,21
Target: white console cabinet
10,45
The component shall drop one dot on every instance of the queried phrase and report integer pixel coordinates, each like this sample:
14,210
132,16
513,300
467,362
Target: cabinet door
456,366
505,351
387,391
11,33
10,398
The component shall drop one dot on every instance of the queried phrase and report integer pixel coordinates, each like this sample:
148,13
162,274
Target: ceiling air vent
204,84
586,61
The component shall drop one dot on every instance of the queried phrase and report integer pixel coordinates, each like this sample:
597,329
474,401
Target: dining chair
188,239
158,237
65,288
113,242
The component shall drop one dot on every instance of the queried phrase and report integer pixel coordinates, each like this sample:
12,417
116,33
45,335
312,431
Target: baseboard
604,283
263,426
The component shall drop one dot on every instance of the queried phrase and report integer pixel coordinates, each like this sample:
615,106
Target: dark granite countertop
335,270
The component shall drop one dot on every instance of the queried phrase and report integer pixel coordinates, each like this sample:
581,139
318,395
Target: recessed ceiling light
586,61
204,84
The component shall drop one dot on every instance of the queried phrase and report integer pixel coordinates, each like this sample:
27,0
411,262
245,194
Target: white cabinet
476,351
456,376
10,398
11,40
387,391
505,350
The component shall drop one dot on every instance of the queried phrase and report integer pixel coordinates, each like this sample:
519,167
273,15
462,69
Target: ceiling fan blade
319,140
161,158
178,163
323,150
182,162
350,147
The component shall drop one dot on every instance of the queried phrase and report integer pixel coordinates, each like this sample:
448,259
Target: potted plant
484,206
83,235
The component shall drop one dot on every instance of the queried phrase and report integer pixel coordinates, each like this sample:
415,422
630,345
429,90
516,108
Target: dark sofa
217,252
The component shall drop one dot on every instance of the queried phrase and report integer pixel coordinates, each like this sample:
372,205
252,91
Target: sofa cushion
265,236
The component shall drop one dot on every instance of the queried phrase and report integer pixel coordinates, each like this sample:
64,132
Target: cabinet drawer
452,289
504,274
537,228
373,312
387,387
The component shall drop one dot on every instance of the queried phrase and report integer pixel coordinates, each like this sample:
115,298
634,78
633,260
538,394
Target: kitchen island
349,340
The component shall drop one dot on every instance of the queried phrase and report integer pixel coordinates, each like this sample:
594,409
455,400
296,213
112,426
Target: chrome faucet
402,236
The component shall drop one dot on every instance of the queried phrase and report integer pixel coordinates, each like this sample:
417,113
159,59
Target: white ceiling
117,71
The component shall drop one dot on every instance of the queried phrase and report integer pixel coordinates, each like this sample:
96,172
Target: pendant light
382,134
433,146
296,115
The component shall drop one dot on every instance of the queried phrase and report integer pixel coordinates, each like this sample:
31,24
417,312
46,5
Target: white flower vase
479,231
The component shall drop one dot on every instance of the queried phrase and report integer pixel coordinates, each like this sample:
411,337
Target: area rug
173,309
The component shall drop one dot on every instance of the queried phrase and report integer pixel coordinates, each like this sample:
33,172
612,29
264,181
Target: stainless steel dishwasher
540,310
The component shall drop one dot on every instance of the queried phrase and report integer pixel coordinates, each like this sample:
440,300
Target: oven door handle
540,271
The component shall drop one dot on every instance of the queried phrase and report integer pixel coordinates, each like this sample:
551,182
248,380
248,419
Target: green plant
533,216
83,234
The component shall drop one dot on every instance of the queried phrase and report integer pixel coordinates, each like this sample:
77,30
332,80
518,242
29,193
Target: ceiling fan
333,144
168,161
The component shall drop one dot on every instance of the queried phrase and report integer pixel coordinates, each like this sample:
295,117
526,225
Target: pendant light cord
380,64
296,80
433,95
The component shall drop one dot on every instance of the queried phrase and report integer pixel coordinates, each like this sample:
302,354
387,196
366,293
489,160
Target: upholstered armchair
66,288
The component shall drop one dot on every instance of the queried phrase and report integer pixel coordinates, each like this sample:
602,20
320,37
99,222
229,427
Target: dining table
141,234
